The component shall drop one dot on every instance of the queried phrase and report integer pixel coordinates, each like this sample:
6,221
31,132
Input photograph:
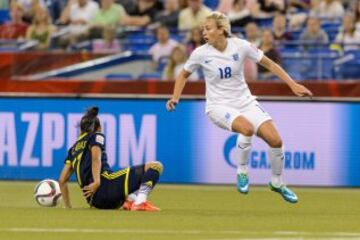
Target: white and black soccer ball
47,193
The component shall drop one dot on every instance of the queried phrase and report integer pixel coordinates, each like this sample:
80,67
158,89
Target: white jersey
224,72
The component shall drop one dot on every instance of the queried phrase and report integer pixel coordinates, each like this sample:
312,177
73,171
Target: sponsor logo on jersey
208,61
100,139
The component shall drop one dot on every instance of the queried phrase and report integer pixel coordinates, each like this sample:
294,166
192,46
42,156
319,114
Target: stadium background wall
321,139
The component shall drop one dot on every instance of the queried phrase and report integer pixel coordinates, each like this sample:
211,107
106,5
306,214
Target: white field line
295,234
228,188
288,238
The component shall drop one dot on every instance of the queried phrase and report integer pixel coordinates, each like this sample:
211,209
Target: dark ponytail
90,122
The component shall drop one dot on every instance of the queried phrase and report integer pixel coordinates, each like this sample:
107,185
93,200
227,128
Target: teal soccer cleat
243,183
285,192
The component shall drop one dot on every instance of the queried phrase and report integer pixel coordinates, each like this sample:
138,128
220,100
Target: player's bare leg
243,145
268,132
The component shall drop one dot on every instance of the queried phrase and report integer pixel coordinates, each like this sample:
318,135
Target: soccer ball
47,193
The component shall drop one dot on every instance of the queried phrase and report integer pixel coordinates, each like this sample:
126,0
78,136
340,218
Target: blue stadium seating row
128,76
301,66
4,16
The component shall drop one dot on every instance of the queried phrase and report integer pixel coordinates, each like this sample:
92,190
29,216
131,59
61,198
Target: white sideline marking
231,188
296,235
271,238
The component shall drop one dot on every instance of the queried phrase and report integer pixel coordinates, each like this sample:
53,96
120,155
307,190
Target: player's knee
156,165
276,143
248,131
243,126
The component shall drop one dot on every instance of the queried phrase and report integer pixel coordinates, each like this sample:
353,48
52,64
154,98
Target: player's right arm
191,65
179,86
63,180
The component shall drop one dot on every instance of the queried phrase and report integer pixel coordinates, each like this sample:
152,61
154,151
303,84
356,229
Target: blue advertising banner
320,140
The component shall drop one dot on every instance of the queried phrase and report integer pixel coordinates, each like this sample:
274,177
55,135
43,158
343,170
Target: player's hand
301,91
90,189
171,105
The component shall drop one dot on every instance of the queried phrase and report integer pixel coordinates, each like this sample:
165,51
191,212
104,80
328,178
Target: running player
103,188
229,103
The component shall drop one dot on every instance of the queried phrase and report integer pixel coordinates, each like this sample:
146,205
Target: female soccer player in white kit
229,103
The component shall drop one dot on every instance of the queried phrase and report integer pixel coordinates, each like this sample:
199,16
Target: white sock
132,196
276,156
243,146
140,198
143,193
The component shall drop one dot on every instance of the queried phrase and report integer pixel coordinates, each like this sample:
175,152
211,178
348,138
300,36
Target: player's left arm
298,89
63,180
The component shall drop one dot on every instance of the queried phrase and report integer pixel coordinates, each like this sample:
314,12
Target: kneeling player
102,187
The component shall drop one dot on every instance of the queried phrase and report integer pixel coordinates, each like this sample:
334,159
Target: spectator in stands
330,9
109,43
16,28
194,15
279,28
239,15
170,15
183,4
225,6
314,35
297,13
4,5
269,49
272,6
176,63
146,10
252,34
356,10
195,40
299,4
62,5
348,36
163,46
110,14
78,15
41,29
129,5
30,7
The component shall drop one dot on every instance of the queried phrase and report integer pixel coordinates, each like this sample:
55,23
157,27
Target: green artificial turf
188,212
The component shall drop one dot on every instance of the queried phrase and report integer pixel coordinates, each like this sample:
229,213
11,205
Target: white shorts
223,116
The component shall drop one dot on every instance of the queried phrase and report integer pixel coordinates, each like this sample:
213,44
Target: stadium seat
309,66
4,15
265,22
150,76
348,66
211,4
119,76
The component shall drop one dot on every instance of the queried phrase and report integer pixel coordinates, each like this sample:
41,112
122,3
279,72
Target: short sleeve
193,63
97,139
252,51
68,158
122,12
